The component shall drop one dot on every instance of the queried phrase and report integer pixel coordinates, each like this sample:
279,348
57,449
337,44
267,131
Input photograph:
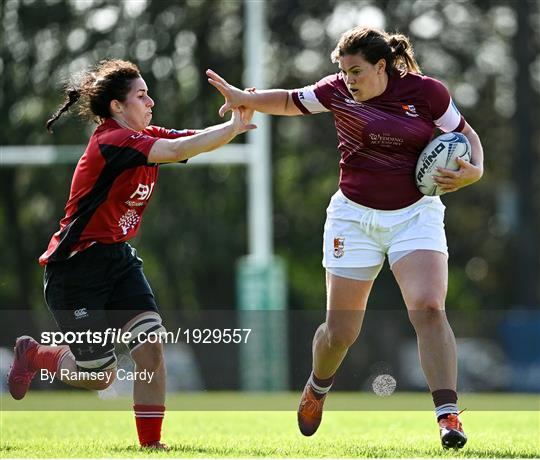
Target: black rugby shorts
99,288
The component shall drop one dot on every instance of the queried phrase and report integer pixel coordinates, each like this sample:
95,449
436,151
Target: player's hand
450,181
233,95
246,114
241,119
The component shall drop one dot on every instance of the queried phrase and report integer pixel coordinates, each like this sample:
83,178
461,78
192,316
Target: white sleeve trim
450,119
309,100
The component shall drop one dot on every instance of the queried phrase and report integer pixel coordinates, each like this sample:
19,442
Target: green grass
381,434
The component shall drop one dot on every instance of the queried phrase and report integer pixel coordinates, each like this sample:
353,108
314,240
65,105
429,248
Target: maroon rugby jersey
381,139
110,189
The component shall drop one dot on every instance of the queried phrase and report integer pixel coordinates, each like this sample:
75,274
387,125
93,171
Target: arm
182,148
272,101
468,173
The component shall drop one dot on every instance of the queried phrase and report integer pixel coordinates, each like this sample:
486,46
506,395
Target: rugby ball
442,151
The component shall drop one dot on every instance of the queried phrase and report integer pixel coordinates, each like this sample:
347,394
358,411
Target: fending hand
232,95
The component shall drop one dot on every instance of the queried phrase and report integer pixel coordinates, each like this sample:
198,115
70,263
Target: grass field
382,433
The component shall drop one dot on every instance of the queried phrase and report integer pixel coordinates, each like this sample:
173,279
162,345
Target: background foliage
195,229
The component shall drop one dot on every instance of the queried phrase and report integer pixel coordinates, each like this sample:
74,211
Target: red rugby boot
21,372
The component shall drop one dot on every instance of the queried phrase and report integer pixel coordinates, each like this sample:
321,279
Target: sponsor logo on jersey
143,192
385,139
135,203
410,110
339,247
80,313
129,221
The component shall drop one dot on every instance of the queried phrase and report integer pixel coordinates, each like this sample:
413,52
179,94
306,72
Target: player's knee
428,302
145,347
341,337
428,309
148,356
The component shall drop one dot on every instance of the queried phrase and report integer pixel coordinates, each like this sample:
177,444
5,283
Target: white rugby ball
442,151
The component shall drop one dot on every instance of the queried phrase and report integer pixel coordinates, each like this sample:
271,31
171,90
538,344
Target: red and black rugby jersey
111,187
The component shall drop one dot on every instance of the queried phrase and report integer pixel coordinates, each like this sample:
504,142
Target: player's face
364,80
136,110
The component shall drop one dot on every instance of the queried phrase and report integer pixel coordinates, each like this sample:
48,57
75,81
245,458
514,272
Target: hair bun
399,44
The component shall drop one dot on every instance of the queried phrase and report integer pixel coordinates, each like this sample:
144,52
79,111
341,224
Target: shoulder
114,140
330,81
430,90
111,133
433,87
417,82
420,82
318,97
445,114
329,88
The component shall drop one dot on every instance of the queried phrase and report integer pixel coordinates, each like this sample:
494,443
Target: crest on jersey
339,247
410,110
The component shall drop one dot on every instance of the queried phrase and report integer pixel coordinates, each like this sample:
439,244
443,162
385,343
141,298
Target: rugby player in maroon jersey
385,113
93,278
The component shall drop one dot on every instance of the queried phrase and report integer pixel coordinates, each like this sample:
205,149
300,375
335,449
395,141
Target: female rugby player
385,113
93,278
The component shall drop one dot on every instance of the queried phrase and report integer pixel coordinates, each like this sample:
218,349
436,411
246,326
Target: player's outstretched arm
175,150
271,101
468,173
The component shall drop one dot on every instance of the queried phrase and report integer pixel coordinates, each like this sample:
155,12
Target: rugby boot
21,372
310,411
452,435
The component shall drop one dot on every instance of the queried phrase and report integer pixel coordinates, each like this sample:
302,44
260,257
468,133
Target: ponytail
404,60
96,88
72,96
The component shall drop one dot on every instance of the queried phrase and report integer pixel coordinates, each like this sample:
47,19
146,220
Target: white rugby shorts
356,236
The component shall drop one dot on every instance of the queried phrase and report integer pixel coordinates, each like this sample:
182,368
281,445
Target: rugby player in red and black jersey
93,278
385,113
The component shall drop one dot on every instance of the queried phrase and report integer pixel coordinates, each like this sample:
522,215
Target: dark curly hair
111,79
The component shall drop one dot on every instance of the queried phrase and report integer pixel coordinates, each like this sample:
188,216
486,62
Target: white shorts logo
339,247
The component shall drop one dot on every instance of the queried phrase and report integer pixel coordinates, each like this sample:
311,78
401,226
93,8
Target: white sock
446,409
